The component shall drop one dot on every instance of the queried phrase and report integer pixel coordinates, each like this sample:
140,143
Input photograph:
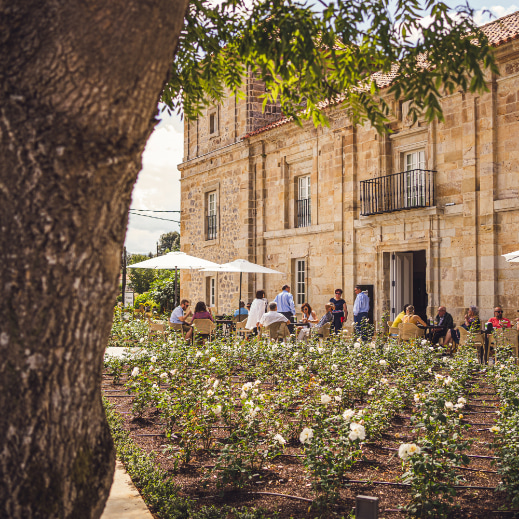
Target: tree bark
79,85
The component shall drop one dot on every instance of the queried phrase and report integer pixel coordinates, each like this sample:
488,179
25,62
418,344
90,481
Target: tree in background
140,279
80,86
169,242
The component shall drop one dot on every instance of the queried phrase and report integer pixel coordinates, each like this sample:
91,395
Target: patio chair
477,340
408,331
277,331
323,331
240,318
203,327
157,329
177,327
241,330
507,337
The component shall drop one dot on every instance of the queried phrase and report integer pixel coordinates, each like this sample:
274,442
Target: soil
286,476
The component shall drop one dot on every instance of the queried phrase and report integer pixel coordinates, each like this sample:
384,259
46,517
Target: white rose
356,345
136,372
306,435
301,368
212,359
243,395
141,339
348,414
198,354
371,390
173,372
320,350
339,390
210,392
279,439
359,430
382,362
413,449
311,349
417,398
325,399
218,409
384,381
461,400
215,384
449,406
163,375
246,386
153,359
353,436
334,367
403,451
337,398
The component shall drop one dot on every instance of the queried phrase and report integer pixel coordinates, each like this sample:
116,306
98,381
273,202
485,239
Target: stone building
421,215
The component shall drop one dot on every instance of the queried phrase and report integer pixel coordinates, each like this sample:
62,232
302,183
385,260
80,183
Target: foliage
157,489
335,54
169,242
163,291
327,398
140,279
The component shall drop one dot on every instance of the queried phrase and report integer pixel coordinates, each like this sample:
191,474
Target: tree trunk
79,85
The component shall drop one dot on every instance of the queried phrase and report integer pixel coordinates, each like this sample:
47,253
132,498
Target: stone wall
474,218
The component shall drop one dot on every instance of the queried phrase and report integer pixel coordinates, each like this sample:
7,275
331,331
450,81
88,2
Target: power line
154,217
153,211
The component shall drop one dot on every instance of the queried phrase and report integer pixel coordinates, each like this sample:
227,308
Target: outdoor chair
157,329
177,327
203,327
240,318
408,331
241,331
506,337
277,331
323,331
477,340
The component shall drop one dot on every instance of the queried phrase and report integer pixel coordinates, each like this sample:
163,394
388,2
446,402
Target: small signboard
128,298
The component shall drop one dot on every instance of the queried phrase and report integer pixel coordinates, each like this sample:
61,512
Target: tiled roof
498,32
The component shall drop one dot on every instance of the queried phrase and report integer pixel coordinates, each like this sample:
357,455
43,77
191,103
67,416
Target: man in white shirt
272,316
179,316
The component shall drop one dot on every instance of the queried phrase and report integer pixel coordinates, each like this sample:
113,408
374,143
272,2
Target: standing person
360,312
179,316
340,313
286,306
257,309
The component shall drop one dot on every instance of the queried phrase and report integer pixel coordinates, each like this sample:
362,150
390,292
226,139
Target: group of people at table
443,324
260,313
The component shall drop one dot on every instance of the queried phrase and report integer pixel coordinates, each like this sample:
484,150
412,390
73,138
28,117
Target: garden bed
211,415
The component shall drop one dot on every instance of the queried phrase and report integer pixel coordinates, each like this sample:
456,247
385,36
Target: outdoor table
431,329
303,325
228,325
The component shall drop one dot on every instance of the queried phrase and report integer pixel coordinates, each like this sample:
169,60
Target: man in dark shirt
443,318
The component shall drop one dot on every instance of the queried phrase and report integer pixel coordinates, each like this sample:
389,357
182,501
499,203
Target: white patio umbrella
512,257
242,266
175,260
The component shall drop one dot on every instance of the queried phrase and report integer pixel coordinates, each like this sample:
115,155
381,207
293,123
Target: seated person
309,316
443,318
326,318
472,324
411,317
498,321
201,312
272,316
242,310
399,318
179,316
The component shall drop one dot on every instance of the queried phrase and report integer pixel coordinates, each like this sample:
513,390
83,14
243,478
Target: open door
401,272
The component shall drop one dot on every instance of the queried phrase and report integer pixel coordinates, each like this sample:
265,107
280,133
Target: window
415,179
300,272
212,216
211,291
303,202
213,122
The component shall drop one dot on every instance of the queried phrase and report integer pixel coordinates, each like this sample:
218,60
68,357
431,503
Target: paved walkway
124,501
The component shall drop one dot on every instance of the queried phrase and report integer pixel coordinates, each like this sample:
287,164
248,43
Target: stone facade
443,247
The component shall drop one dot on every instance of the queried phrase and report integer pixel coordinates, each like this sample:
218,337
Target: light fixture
366,507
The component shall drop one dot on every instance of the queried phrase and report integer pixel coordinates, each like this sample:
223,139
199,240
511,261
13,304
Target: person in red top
498,321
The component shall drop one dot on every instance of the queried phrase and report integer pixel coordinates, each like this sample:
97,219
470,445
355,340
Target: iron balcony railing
397,192
304,213
211,227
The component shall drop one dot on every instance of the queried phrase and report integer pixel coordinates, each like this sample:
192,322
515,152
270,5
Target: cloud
482,16
158,186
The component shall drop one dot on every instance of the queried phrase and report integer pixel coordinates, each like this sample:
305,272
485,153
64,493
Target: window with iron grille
212,215
304,218
300,274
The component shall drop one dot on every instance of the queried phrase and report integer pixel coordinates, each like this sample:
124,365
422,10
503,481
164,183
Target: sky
158,184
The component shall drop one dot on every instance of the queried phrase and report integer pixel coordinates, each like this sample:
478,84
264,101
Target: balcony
211,227
304,213
397,192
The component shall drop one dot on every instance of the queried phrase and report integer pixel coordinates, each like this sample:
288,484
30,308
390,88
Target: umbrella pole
175,289
239,300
